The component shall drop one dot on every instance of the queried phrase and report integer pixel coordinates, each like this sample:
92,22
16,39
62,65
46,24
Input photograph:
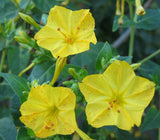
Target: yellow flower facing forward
49,111
116,97
67,32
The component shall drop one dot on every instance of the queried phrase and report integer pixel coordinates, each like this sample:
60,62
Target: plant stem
26,69
131,42
2,59
150,56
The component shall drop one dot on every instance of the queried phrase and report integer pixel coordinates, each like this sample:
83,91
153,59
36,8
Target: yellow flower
116,97
49,111
67,32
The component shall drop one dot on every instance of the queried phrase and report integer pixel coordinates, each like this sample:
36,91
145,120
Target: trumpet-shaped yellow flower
49,111
67,32
116,97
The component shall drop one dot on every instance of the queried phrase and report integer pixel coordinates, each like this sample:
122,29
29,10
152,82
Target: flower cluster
116,97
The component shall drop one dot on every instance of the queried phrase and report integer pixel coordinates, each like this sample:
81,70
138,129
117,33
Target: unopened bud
139,9
65,3
22,40
120,20
29,20
73,73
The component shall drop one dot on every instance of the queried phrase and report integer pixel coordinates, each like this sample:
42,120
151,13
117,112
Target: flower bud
29,20
139,9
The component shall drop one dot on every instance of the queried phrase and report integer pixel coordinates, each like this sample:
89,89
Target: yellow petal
67,119
60,17
95,87
70,49
65,99
98,115
83,25
124,120
49,111
119,74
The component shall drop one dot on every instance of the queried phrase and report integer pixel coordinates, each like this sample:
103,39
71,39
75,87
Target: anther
52,124
108,108
115,100
78,28
111,106
118,111
47,127
110,102
52,129
69,40
58,29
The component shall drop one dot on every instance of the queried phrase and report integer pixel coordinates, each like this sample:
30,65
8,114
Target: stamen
110,103
47,127
111,106
108,108
58,29
69,40
118,111
52,124
115,100
78,28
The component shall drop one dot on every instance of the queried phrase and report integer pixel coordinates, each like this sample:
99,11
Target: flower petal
94,88
119,74
60,17
98,115
70,49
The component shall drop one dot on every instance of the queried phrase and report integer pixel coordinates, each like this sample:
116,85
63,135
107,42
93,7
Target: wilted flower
67,32
116,97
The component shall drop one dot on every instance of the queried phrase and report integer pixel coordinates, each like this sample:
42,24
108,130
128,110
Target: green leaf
8,129
18,59
44,5
5,91
104,55
43,72
9,11
150,20
151,120
18,85
126,23
23,134
87,59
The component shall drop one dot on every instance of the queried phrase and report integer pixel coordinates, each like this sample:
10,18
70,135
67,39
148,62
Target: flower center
115,103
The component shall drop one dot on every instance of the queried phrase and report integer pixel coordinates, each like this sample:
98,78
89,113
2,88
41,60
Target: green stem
131,42
2,59
26,69
150,56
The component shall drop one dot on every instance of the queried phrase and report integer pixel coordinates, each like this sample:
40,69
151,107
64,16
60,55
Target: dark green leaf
18,84
43,72
18,59
150,20
44,5
9,11
23,134
87,59
5,91
8,129
151,120
105,54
